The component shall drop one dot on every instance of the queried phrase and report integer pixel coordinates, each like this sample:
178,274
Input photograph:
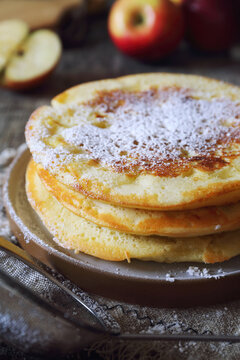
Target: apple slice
34,61
12,34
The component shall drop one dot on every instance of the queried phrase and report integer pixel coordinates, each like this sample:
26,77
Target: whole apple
146,29
211,24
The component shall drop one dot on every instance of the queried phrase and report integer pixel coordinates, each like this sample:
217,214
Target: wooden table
98,59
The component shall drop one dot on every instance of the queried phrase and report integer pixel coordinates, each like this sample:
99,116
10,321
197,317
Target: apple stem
137,19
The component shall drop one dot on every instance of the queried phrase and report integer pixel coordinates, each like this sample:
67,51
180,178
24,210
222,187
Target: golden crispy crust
206,184
73,232
144,222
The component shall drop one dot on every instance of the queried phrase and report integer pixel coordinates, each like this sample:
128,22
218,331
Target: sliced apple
12,34
34,60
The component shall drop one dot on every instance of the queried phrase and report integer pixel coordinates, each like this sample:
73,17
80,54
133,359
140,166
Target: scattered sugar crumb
195,271
169,277
204,273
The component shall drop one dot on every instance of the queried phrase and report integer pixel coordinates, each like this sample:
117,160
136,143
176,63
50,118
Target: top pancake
154,141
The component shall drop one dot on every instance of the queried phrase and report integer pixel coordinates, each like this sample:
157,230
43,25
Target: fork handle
4,243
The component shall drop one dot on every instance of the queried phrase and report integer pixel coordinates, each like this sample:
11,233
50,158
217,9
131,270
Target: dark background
97,58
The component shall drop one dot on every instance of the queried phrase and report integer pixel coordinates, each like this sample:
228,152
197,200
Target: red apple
178,2
211,24
147,29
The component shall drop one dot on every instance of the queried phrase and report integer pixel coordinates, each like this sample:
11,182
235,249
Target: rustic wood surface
36,13
96,59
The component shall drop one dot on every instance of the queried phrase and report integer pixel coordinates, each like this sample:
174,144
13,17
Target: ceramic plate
147,283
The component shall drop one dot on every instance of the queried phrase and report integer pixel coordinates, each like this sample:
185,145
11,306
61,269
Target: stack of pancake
144,166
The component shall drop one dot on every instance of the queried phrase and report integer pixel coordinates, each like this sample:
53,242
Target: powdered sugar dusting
195,271
142,130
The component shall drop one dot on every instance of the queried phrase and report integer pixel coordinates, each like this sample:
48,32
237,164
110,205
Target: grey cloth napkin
219,319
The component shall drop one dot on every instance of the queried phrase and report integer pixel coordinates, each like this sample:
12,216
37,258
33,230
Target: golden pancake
73,232
153,141
184,223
